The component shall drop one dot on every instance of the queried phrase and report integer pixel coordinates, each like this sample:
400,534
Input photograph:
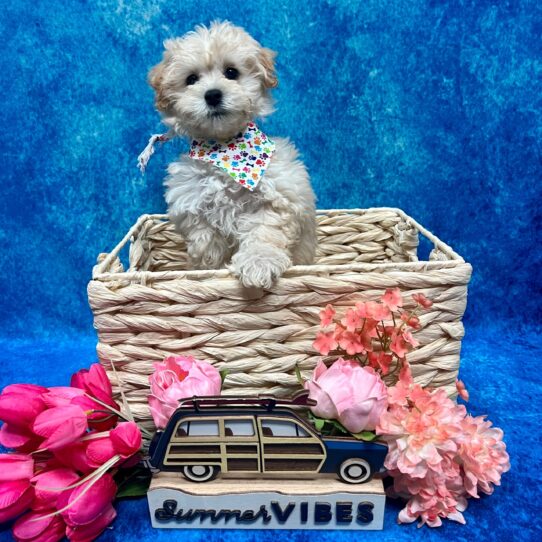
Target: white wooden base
321,503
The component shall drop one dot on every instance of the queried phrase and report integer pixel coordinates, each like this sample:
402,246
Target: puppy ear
266,58
156,80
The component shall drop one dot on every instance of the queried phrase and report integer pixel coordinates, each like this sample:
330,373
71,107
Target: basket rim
101,273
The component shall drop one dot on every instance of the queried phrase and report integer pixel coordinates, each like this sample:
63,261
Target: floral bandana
244,158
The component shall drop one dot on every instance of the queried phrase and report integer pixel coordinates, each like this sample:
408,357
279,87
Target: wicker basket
157,307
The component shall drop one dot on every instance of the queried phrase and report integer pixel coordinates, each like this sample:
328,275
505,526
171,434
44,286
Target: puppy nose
213,96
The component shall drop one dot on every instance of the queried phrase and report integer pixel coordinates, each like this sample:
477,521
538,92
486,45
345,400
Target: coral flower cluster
67,444
438,454
375,333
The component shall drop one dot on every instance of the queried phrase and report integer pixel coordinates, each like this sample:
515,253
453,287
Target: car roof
219,412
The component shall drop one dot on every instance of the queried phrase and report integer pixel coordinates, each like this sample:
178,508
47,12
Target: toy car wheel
355,471
200,473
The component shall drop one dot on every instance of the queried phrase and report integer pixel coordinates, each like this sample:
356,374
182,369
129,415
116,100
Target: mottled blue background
431,106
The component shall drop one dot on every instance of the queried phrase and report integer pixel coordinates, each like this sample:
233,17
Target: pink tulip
21,403
61,396
90,531
19,438
126,439
99,418
99,451
15,497
94,381
176,378
355,396
16,467
46,483
60,426
29,528
86,504
74,456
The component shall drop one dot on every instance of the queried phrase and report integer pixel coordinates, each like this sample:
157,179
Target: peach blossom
392,299
327,315
324,343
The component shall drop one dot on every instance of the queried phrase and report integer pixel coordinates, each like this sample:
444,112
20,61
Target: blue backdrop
431,106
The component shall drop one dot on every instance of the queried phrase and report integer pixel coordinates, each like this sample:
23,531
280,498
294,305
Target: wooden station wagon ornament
265,467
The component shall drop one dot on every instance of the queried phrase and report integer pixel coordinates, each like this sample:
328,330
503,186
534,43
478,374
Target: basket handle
106,260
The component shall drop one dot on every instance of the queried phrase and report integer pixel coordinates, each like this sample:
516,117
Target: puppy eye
231,73
191,79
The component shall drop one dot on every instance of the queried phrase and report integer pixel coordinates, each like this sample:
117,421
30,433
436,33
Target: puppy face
213,81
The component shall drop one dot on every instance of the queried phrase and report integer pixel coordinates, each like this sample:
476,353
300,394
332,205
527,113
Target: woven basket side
261,341
374,236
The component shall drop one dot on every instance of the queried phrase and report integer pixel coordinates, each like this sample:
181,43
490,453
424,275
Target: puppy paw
259,267
208,254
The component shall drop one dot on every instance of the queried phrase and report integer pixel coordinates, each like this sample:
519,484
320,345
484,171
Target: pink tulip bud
126,439
90,531
29,528
19,438
86,503
61,396
60,426
16,467
46,484
74,456
94,381
99,451
21,403
15,497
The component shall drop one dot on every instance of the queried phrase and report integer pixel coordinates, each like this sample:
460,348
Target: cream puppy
210,86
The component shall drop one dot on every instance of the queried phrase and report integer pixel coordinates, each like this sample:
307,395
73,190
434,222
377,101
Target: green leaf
338,426
298,376
319,423
223,374
367,436
133,482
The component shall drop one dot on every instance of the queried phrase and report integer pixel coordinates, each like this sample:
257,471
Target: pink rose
355,396
177,378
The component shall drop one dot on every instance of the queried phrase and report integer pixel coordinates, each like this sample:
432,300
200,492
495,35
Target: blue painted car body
337,449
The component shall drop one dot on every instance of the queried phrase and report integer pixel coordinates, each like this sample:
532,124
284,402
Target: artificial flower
422,300
392,299
374,310
39,526
353,395
16,467
483,455
327,315
462,390
91,531
20,404
179,377
15,497
60,426
85,503
324,343
352,320
46,485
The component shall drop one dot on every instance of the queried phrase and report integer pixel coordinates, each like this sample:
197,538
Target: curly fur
259,234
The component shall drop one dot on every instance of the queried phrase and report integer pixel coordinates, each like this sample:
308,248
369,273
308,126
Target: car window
198,428
282,428
238,428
